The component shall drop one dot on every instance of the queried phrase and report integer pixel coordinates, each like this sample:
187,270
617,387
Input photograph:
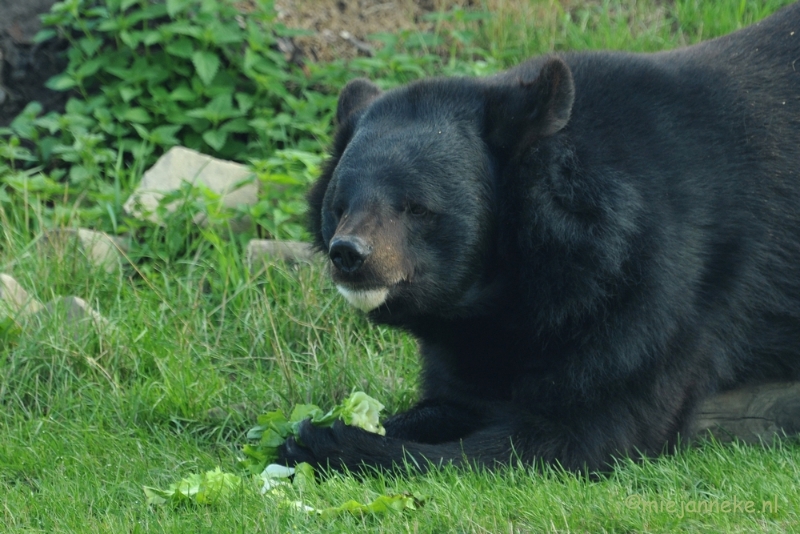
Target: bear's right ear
355,96
517,115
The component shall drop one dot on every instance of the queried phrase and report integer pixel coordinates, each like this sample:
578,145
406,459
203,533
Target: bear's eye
417,210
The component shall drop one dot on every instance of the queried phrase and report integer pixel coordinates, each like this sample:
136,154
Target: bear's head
407,206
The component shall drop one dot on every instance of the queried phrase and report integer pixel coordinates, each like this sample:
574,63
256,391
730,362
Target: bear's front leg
341,447
588,437
431,421
435,421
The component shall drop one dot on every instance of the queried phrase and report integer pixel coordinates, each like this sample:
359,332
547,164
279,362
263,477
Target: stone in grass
100,249
260,251
181,165
751,414
74,311
14,300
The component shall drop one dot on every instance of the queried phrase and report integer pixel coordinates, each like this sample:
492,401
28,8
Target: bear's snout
348,253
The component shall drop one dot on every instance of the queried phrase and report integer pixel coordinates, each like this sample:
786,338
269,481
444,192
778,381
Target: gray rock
751,414
99,249
74,310
260,251
181,165
14,300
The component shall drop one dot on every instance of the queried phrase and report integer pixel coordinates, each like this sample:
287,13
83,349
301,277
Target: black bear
585,246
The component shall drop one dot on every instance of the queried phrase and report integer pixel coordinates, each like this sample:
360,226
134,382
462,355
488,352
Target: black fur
585,246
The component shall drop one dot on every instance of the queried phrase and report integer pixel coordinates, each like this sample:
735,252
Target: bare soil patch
342,27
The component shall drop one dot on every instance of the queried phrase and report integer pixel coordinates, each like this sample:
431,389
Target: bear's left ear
355,96
519,114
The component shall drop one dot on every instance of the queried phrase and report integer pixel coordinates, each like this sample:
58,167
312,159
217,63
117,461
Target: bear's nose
348,253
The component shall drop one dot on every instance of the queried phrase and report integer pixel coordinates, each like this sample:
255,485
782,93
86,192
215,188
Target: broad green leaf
142,131
153,73
139,115
245,101
91,67
183,94
302,412
61,82
362,411
210,7
270,438
206,65
129,93
151,37
90,45
273,427
184,27
76,106
257,457
111,25
239,125
78,174
215,139
207,488
121,72
275,420
216,111
165,135
49,122
181,47
222,106
25,123
225,33
44,35
131,39
217,485
381,505
149,11
177,6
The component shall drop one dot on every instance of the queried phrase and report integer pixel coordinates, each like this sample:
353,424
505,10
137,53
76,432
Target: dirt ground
341,27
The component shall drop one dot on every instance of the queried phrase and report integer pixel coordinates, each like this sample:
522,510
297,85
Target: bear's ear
519,114
355,96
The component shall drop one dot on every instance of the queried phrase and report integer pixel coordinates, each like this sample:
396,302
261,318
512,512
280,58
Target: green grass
508,31
194,350
197,345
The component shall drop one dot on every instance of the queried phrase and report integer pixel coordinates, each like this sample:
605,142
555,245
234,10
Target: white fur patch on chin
364,299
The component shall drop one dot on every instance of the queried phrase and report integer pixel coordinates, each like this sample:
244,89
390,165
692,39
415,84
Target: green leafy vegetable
205,488
362,411
274,428
276,478
278,481
381,505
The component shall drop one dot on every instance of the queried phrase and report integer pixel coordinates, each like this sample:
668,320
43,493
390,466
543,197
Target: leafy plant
193,72
145,76
200,488
150,75
273,428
